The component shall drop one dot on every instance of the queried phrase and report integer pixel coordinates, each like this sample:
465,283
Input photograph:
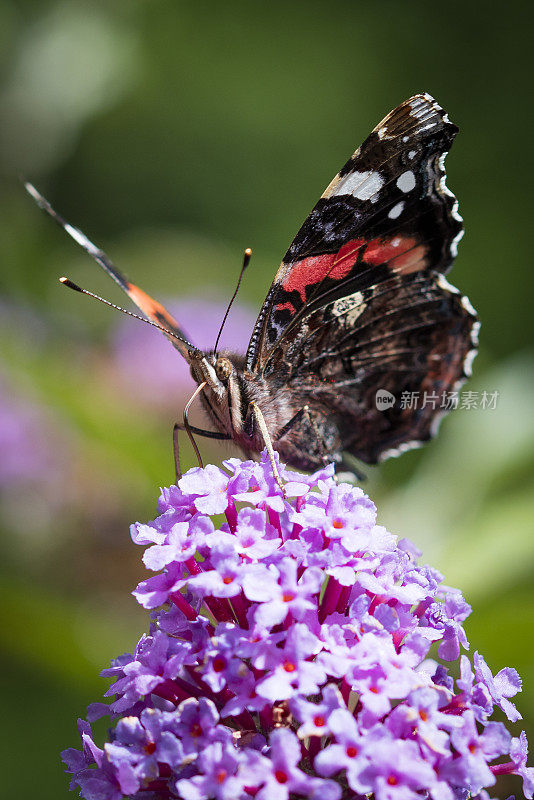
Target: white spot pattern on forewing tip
406,181
383,133
362,185
419,109
412,153
82,240
396,211
427,96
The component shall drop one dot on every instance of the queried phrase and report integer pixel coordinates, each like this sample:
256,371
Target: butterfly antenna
76,288
246,259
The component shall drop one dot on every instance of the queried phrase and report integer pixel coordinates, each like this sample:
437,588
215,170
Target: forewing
386,213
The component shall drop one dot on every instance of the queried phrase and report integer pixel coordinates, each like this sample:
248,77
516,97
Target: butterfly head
222,395
213,368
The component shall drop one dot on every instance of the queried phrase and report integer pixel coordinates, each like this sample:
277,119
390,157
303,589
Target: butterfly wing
376,369
153,310
360,304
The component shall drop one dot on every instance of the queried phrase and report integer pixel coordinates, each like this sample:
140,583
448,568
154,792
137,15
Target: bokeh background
175,135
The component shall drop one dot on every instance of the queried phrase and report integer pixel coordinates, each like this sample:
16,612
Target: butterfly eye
223,368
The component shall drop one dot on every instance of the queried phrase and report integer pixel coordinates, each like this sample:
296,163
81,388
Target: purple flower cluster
289,657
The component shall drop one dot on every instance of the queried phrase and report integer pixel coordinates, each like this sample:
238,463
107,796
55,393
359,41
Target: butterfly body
358,310
228,402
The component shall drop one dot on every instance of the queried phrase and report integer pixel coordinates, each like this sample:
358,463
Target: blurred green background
175,135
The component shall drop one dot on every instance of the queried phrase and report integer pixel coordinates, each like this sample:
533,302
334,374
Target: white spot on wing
468,307
383,133
454,209
403,447
396,210
362,185
436,422
350,307
454,243
443,283
468,363
406,181
411,154
82,240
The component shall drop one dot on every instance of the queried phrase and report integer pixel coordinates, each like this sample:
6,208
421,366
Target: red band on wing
287,306
402,254
312,270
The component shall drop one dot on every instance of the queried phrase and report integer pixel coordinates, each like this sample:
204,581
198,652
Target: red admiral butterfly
359,306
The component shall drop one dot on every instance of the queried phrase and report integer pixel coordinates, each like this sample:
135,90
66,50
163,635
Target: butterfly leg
304,412
318,435
198,432
204,433
176,451
292,422
262,425
187,426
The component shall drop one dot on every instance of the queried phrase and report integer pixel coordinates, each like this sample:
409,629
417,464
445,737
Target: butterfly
359,315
